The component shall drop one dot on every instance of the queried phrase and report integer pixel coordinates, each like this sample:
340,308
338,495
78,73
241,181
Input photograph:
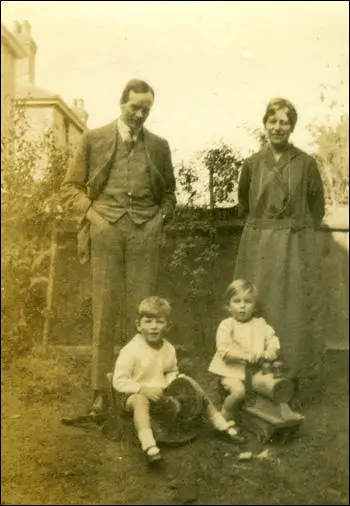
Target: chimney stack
79,110
25,69
16,28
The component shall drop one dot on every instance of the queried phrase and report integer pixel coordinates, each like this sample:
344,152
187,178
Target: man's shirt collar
125,132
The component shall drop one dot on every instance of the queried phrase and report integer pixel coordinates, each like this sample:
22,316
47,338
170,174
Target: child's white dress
234,337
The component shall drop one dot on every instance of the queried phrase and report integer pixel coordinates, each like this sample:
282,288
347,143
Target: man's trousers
124,263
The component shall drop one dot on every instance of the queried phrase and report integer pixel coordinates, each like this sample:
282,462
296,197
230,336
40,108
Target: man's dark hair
137,86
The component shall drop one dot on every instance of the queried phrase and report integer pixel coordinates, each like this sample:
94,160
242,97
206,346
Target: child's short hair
154,306
240,286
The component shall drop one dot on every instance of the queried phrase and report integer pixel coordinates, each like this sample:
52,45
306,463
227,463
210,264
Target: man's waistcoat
128,187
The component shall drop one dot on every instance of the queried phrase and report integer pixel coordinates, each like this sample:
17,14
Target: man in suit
121,190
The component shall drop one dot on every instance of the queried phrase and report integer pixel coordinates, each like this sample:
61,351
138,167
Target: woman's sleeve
243,190
315,193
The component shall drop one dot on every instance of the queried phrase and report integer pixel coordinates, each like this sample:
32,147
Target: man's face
136,110
152,328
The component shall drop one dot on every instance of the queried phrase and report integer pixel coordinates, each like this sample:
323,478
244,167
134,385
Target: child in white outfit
144,369
241,339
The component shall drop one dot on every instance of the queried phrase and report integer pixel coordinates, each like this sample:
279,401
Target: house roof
28,90
33,96
16,47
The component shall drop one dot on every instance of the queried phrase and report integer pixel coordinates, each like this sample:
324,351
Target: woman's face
278,127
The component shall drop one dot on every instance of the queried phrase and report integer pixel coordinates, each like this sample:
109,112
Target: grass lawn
44,462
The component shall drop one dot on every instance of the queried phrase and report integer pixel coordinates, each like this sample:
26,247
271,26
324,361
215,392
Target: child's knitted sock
219,422
146,438
225,414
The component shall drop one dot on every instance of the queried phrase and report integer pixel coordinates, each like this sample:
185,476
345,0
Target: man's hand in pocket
96,219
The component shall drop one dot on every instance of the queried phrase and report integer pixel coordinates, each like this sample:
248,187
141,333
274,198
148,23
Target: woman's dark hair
281,103
137,86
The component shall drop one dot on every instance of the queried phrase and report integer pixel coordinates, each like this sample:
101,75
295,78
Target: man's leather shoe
83,420
97,413
100,404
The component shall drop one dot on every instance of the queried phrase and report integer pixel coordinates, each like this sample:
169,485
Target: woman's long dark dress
280,250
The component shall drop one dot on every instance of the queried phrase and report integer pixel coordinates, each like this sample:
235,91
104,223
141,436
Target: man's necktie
129,141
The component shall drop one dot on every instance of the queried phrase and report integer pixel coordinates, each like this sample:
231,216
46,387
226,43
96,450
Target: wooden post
50,286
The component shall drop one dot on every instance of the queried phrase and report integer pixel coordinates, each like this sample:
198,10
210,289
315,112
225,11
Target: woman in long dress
282,197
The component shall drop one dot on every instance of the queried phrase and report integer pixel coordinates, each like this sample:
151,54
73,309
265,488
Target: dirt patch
44,462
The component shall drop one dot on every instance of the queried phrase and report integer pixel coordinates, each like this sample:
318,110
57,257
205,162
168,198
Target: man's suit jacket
89,171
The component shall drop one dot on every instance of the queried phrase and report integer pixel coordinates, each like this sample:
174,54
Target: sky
213,65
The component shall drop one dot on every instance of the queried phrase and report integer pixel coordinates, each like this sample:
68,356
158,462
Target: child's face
242,306
152,328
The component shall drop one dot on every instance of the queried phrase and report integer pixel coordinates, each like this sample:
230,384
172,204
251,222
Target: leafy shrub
333,156
32,172
196,251
331,139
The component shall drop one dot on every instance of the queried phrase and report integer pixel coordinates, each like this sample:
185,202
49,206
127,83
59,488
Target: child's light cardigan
234,337
138,364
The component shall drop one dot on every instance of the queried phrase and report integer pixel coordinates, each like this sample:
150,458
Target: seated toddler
242,341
